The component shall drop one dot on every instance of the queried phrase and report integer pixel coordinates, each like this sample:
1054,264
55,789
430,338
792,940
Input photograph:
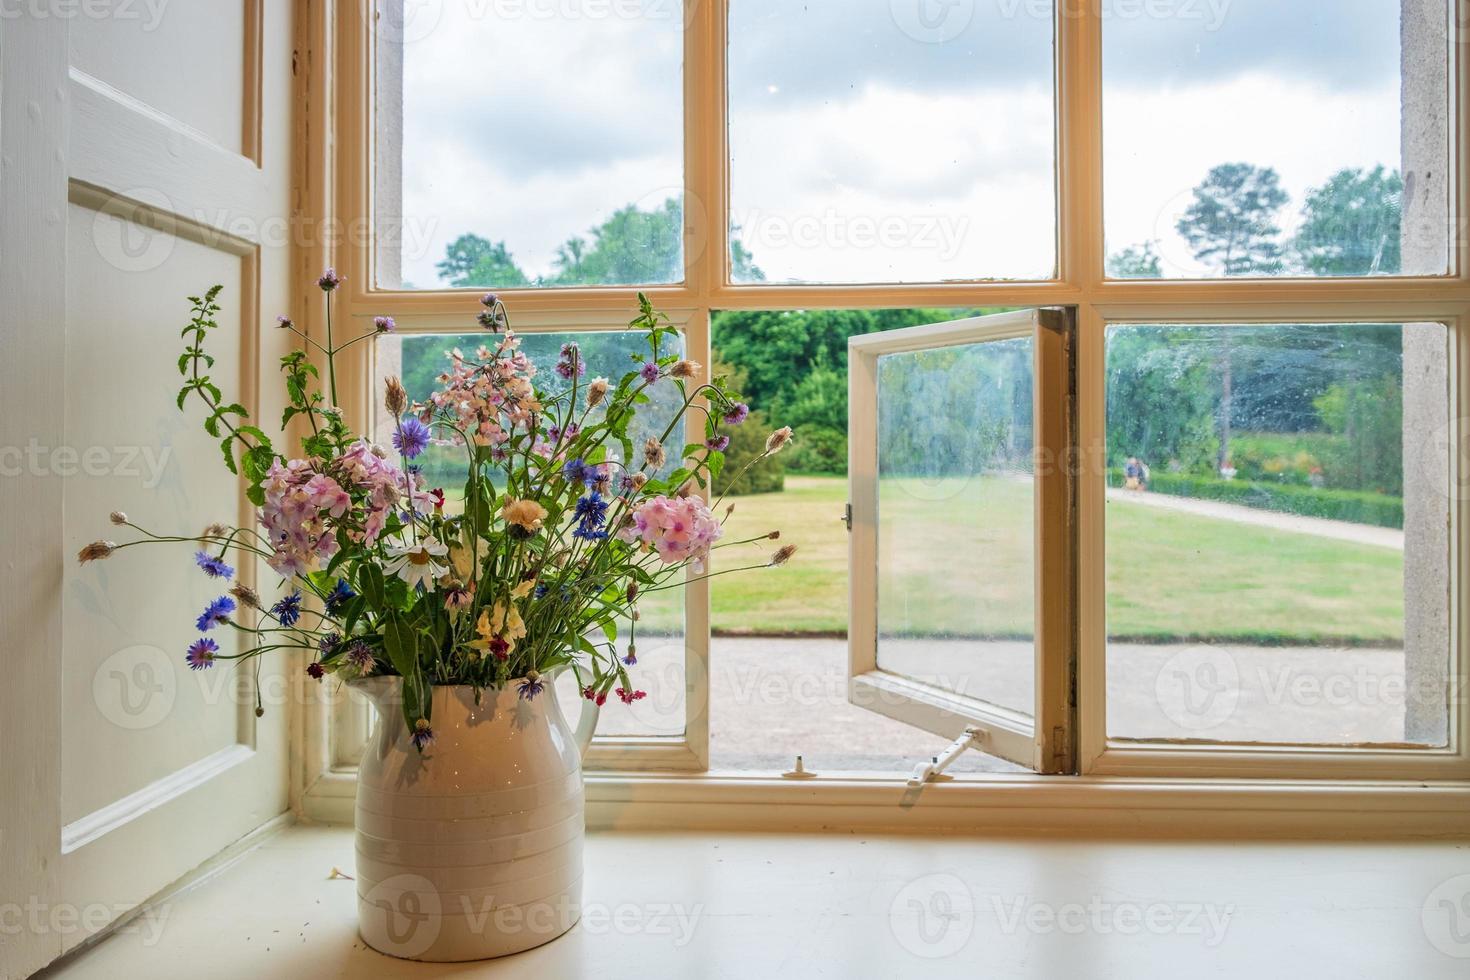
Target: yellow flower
461,561
523,590
506,621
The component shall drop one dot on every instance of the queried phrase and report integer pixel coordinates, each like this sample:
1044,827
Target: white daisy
415,563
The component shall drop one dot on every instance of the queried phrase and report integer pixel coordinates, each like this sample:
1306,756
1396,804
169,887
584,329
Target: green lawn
962,566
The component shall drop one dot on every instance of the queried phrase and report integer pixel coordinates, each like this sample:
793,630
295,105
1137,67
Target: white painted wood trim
86,829
993,804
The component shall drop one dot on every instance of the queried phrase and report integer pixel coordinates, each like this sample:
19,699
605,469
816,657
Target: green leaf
370,580
227,446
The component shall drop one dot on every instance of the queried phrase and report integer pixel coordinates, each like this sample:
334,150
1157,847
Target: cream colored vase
473,848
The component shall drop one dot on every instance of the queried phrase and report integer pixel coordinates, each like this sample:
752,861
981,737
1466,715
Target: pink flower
678,528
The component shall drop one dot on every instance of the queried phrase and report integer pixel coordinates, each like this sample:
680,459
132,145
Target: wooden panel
186,60
127,447
123,148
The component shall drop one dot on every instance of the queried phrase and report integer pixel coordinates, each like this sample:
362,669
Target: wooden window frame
336,181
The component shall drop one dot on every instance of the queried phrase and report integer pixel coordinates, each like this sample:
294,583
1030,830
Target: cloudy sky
876,140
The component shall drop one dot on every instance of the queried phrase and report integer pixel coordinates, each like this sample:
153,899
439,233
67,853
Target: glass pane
956,520
525,144
419,359
1261,138
891,142
1277,554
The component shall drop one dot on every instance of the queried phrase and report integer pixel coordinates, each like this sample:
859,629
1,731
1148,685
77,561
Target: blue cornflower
591,515
576,471
422,736
213,567
328,643
540,590
338,597
201,654
217,613
411,437
288,609
531,686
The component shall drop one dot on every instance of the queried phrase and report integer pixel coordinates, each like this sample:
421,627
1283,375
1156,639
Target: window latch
933,770
847,517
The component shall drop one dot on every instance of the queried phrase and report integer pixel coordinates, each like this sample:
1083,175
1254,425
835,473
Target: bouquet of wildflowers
565,525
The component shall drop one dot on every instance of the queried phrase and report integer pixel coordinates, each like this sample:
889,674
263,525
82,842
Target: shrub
747,441
1357,506
818,449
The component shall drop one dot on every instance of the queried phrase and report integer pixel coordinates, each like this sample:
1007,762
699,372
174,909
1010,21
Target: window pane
956,520
1260,138
419,359
524,144
891,142
1277,555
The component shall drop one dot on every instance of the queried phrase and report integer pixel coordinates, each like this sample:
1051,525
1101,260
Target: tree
1135,262
470,260
1350,225
632,246
1231,223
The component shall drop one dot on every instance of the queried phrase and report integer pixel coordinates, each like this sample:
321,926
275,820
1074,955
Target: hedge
1356,506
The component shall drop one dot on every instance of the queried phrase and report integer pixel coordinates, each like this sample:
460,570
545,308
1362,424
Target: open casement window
961,532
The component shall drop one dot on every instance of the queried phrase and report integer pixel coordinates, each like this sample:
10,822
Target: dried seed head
775,535
248,597
596,392
395,400
215,531
684,369
118,517
640,480
783,555
777,439
632,591
96,551
654,455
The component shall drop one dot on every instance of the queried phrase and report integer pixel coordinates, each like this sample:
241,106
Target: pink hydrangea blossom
678,528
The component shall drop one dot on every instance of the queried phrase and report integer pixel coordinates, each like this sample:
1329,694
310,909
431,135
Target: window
529,144
868,144
1250,215
1269,139
1276,560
